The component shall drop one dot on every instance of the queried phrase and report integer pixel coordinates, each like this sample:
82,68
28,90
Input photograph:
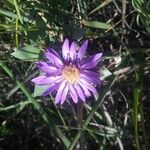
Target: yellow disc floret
70,73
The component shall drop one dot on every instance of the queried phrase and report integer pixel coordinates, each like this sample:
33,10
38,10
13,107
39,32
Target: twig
80,125
123,15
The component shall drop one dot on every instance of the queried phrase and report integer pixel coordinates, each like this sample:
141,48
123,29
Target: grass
119,118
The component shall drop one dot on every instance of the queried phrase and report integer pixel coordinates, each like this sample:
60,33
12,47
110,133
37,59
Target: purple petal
90,88
82,49
92,61
53,57
90,78
73,94
91,73
41,80
79,92
51,69
59,92
65,49
64,94
73,51
50,89
86,91
56,79
53,52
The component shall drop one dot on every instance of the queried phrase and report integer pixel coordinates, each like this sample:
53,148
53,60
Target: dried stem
80,123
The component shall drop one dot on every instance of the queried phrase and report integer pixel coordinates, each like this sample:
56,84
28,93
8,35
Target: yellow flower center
70,73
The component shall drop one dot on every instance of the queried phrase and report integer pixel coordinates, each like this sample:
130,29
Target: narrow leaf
96,24
28,53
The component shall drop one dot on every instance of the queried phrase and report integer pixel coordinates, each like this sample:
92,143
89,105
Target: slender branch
80,123
123,15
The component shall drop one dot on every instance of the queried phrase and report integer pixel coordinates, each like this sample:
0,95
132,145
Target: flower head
72,75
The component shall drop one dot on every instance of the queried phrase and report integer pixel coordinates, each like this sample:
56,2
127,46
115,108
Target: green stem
137,93
17,43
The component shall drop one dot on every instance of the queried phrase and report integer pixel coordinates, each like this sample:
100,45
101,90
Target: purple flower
72,75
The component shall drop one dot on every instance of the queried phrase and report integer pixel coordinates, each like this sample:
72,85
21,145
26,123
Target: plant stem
97,105
80,123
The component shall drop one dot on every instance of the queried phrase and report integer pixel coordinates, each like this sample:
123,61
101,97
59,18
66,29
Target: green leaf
96,24
18,12
12,15
88,107
28,53
19,106
39,90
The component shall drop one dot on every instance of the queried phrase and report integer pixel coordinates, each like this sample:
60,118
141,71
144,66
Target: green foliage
96,24
142,7
39,90
118,118
27,53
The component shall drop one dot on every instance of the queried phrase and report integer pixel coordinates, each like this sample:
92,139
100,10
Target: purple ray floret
72,75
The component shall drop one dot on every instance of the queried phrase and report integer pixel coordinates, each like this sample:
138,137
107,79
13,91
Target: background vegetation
120,117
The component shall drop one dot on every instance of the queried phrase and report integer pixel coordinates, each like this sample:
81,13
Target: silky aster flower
71,75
